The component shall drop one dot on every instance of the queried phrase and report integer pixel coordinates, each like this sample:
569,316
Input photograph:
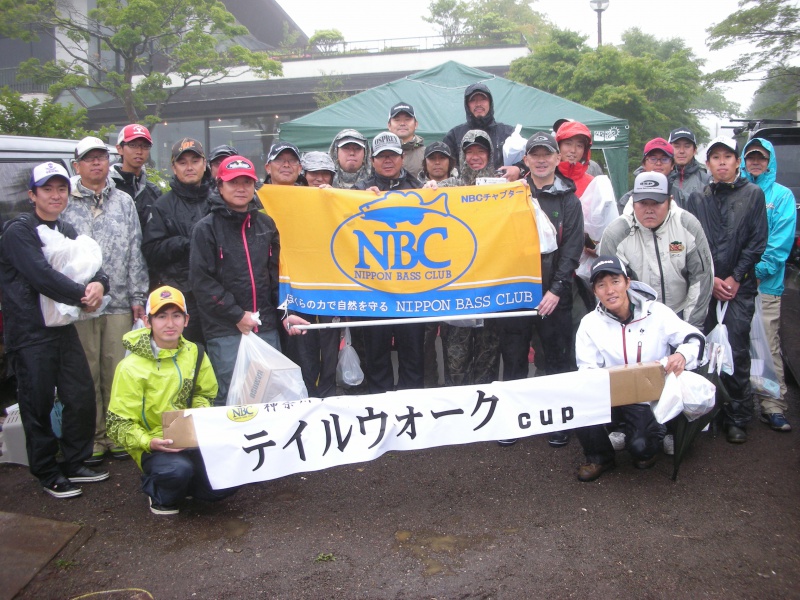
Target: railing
8,77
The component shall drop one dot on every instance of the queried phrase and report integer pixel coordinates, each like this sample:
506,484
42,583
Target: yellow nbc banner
450,251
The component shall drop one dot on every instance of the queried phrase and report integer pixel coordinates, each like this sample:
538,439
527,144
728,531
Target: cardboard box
630,384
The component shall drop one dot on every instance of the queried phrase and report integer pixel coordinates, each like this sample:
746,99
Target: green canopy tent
437,96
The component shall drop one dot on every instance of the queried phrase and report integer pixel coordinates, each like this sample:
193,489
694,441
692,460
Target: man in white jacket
628,327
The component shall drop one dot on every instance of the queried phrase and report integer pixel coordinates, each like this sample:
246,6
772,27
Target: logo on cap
239,164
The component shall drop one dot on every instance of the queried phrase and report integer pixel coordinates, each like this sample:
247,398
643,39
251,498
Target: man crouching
162,373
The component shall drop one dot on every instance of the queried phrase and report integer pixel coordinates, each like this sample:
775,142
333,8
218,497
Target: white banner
259,442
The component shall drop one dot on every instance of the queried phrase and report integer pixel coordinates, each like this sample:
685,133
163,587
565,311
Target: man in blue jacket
760,167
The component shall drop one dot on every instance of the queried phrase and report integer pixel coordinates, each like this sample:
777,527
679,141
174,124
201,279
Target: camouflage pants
471,354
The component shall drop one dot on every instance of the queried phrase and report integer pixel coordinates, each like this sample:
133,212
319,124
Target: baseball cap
681,133
658,144
722,140
545,140
439,147
386,141
279,147
222,151
559,123
607,264
132,132
187,145
236,166
41,174
161,297
351,136
650,186
87,144
477,140
317,161
756,146
402,107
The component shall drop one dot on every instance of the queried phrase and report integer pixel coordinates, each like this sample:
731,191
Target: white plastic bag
720,355
348,369
599,207
548,239
689,393
670,403
262,374
762,368
514,147
78,259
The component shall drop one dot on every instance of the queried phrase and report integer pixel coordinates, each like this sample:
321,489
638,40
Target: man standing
216,156
133,144
97,209
318,168
688,175
403,123
439,162
665,247
48,358
167,235
349,153
760,167
657,158
283,165
733,214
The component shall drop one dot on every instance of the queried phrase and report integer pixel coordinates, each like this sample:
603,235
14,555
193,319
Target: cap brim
609,271
346,141
47,178
85,152
660,198
545,146
758,150
177,156
395,150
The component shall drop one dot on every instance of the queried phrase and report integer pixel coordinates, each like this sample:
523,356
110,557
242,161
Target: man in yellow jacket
162,373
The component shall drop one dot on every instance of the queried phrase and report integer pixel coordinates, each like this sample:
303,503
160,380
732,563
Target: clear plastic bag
137,324
762,369
718,348
78,259
599,207
514,147
348,369
262,374
548,239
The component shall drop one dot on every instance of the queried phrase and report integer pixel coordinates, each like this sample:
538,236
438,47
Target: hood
341,179
217,204
192,193
766,180
467,174
640,295
138,342
479,122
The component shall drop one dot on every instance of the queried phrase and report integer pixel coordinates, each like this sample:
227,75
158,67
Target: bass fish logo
402,238
240,414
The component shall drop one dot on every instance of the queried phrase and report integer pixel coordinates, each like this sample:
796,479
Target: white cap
42,173
87,144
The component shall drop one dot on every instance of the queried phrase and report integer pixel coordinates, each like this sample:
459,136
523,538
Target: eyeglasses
95,158
656,160
139,146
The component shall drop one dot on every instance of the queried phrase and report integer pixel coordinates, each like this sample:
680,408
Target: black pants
57,366
168,477
738,318
193,331
643,435
409,341
317,353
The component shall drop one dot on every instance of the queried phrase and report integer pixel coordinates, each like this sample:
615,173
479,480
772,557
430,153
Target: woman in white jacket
628,327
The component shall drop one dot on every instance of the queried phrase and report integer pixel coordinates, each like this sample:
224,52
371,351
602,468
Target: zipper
624,345
660,269
639,353
246,224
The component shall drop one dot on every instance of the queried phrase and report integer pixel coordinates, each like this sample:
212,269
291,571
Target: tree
39,118
139,52
449,16
327,91
481,22
656,85
773,100
773,28
327,40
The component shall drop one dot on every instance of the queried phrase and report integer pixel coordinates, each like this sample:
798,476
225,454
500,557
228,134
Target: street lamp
599,6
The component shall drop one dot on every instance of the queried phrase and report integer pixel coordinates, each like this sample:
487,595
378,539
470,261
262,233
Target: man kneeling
162,373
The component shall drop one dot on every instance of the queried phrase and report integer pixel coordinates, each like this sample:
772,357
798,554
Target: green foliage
449,17
485,22
327,40
145,46
325,557
328,92
773,27
656,85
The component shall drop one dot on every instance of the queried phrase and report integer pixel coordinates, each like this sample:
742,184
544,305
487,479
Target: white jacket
604,341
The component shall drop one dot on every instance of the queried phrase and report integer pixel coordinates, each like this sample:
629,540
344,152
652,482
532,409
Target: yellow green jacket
145,386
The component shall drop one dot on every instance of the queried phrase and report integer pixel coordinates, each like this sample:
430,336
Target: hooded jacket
233,268
167,234
692,177
466,174
576,171
342,179
25,274
498,132
147,385
674,259
413,154
734,218
781,223
111,220
143,192
604,341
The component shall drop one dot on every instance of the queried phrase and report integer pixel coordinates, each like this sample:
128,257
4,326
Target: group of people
199,266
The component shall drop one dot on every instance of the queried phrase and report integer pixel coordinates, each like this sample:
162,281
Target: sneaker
62,488
505,443
559,439
669,444
84,474
98,454
119,453
776,421
617,439
162,509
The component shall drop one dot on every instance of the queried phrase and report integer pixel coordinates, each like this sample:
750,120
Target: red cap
131,132
659,144
236,166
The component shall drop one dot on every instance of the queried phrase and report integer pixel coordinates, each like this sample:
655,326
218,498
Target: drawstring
246,223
